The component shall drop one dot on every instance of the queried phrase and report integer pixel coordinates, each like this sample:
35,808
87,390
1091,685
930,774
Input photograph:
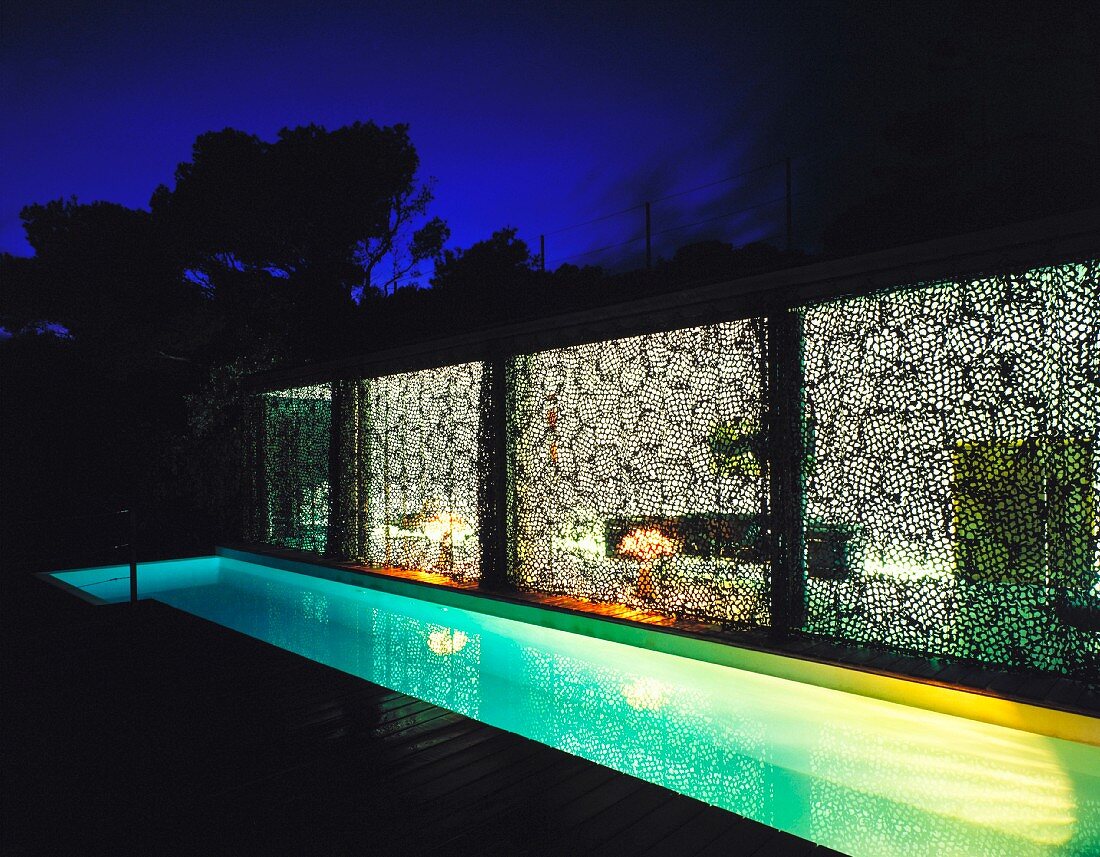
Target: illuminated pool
860,775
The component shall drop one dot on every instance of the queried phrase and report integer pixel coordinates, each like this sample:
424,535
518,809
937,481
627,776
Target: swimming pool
861,775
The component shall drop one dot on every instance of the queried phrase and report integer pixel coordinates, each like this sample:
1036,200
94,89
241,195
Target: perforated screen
637,472
952,435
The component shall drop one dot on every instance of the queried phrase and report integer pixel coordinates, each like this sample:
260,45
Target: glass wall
421,460
951,470
401,488
297,432
637,474
952,484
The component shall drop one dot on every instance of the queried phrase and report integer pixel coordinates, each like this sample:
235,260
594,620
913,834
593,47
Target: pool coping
83,594
48,577
958,701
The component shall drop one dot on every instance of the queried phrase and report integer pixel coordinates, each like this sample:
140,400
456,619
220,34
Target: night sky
529,114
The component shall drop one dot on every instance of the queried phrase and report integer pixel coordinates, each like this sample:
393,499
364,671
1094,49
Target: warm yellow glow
644,694
445,526
648,543
444,641
909,567
957,778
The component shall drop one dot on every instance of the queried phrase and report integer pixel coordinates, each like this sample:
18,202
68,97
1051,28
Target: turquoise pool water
860,775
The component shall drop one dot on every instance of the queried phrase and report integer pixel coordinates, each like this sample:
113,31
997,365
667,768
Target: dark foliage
133,329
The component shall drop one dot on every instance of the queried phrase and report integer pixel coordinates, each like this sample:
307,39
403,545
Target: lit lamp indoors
444,528
647,545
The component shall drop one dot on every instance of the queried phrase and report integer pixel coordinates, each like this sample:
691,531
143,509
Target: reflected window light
644,694
446,641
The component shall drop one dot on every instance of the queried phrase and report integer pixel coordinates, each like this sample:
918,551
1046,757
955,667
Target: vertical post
336,535
648,239
493,472
542,252
363,464
790,238
253,477
132,519
246,431
387,542
261,514
786,456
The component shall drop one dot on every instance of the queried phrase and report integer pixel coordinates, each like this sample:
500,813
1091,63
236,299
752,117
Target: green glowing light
861,775
952,470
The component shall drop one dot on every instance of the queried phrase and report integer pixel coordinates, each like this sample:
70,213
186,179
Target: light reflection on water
859,775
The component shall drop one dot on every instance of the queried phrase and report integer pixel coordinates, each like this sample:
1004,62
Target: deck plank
695,835
251,749
121,722
659,817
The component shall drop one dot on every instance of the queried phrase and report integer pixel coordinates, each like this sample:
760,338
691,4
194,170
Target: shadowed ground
147,730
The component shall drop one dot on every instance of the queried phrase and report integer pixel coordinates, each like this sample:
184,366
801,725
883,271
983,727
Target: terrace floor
142,729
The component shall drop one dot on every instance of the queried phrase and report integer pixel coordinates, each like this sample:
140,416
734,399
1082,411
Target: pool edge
48,577
944,699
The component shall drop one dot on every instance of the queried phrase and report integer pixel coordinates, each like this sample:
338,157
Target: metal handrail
130,543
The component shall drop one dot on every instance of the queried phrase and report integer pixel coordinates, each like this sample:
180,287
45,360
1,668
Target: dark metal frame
774,295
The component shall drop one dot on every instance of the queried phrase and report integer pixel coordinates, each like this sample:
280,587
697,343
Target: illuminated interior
955,432
405,488
951,471
421,504
297,430
628,483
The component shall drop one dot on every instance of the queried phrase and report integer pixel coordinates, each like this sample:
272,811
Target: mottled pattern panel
297,426
952,475
637,475
421,464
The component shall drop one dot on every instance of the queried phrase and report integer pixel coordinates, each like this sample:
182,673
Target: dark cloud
533,114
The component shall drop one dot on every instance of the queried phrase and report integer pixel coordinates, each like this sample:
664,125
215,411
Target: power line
673,195
595,220
597,250
680,226
721,216
718,181
799,158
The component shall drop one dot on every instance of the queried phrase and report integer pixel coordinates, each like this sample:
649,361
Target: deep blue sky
531,114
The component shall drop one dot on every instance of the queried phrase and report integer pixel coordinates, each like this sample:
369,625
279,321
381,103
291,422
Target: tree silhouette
312,201
100,271
250,259
493,266
489,282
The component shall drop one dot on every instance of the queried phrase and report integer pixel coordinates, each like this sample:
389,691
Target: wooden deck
142,729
